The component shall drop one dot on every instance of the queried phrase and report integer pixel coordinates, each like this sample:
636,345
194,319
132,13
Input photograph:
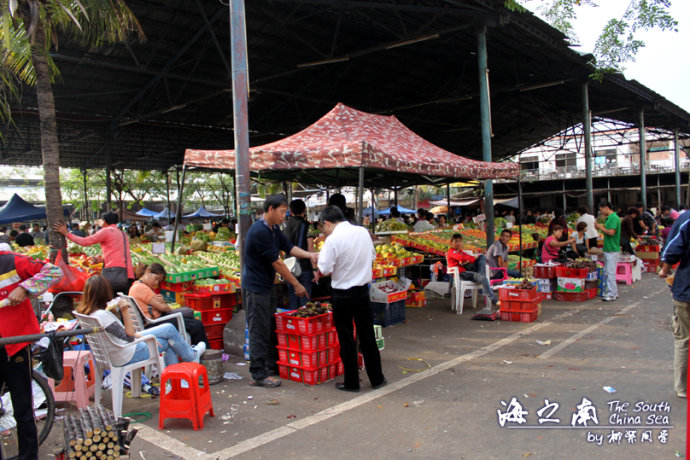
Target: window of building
566,159
605,157
529,163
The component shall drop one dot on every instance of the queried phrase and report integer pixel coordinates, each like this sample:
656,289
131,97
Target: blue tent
146,212
402,210
18,210
164,214
202,212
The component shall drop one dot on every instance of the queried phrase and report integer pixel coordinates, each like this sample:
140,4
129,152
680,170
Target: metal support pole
608,189
240,115
658,192
395,197
85,215
167,190
643,161
373,206
587,124
360,196
108,183
520,222
448,201
676,156
565,201
485,115
178,213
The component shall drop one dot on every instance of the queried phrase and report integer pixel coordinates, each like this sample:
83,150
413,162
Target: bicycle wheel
44,414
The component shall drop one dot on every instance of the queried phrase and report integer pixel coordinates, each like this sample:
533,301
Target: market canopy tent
164,214
201,212
333,149
146,212
402,210
18,210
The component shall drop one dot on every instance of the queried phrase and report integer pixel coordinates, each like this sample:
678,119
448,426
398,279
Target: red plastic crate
521,305
307,326
304,342
307,375
519,316
227,300
214,331
215,344
214,288
545,271
217,316
591,292
647,248
303,358
177,287
198,302
571,296
507,293
564,272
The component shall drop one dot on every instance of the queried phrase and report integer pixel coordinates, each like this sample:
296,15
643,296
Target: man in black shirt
297,231
24,238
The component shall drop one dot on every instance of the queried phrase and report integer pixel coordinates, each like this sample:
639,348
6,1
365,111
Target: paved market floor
452,409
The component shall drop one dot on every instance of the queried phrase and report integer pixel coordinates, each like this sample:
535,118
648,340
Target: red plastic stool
191,402
76,385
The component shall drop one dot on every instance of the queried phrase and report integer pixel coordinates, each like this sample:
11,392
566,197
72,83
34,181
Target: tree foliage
619,41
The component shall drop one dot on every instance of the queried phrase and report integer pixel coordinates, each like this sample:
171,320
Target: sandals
268,382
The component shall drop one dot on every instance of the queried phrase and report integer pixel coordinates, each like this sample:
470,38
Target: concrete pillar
485,116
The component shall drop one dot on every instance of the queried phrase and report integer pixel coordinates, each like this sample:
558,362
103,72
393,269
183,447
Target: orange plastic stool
191,402
76,386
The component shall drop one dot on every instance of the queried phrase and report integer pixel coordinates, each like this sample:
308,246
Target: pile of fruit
583,263
391,225
211,282
526,284
393,250
311,309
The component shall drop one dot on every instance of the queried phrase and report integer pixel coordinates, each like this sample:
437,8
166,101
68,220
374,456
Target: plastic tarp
349,138
402,210
146,212
510,202
164,214
18,210
202,212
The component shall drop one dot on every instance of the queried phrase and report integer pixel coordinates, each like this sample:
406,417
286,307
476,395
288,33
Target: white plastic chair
459,286
140,320
101,346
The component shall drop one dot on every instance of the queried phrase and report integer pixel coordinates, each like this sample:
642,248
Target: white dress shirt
347,255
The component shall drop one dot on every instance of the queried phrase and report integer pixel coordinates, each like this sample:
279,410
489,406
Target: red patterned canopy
349,138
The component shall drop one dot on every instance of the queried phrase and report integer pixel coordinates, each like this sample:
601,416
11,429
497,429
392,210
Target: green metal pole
587,124
676,156
643,161
485,115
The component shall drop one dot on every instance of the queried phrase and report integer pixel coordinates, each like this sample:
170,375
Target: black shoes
342,387
380,385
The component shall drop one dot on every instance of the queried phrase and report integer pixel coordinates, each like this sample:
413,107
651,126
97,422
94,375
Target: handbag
117,276
49,353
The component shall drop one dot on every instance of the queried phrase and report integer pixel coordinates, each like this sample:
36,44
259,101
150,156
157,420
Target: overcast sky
662,65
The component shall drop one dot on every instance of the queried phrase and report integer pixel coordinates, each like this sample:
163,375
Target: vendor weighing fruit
261,259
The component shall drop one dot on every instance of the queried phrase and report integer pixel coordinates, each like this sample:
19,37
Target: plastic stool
191,402
76,386
624,272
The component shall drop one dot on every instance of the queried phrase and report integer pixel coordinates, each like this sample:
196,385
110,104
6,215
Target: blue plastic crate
387,314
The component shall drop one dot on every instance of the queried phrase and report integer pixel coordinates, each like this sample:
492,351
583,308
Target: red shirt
114,246
456,258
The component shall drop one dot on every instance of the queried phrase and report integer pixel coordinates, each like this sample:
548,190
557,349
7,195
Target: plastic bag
73,279
49,353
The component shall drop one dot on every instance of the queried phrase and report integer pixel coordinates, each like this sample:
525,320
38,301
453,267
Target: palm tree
28,30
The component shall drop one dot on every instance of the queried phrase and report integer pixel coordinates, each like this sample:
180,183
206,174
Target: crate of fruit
177,287
215,286
206,272
389,291
567,272
545,270
312,318
179,277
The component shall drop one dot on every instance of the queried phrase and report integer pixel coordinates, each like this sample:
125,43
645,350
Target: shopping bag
73,279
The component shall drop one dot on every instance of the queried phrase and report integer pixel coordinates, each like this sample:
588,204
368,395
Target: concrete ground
451,407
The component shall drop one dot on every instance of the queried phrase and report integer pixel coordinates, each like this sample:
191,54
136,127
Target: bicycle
43,401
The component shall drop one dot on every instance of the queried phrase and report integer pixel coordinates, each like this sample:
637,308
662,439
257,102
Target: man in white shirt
347,255
423,224
591,233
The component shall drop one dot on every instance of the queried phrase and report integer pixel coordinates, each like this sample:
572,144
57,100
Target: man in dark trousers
347,256
261,262
21,277
676,250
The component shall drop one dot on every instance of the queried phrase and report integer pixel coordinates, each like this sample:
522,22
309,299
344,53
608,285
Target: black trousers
16,374
263,354
353,305
193,326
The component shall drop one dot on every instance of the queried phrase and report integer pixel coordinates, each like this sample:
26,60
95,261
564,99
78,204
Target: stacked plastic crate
308,349
546,279
571,285
215,306
523,305
649,253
